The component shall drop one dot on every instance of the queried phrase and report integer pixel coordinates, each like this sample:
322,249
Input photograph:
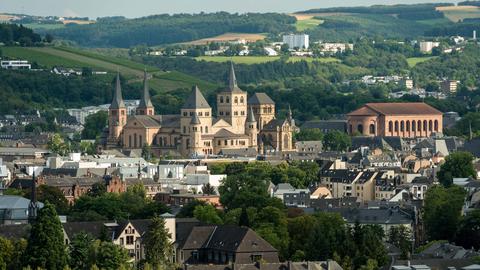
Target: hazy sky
138,8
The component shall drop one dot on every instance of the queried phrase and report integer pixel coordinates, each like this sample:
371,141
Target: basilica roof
406,108
260,98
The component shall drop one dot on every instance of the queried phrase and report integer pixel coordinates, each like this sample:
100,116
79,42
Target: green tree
187,210
309,134
6,253
108,255
207,214
57,145
46,248
457,164
468,234
337,141
94,125
442,211
401,237
80,251
208,189
158,246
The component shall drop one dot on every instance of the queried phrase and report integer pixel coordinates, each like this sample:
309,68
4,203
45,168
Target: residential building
15,64
335,47
407,120
449,86
291,196
427,46
300,41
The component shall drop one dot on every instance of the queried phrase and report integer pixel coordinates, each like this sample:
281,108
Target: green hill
49,57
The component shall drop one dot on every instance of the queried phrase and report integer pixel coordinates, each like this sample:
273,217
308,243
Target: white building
427,46
15,64
335,47
82,113
301,41
271,51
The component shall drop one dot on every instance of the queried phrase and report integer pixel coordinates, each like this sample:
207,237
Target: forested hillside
12,33
164,29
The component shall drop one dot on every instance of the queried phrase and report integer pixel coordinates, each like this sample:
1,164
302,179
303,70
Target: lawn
40,56
250,60
413,61
303,25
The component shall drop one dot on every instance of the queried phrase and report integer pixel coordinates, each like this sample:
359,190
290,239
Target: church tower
196,104
117,113
146,106
196,136
232,104
251,129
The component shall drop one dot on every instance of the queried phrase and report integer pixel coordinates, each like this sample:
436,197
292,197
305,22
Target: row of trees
334,140
46,248
10,34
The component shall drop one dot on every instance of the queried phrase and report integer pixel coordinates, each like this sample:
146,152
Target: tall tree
468,234
46,248
80,251
457,164
158,245
108,255
94,125
207,213
442,211
337,141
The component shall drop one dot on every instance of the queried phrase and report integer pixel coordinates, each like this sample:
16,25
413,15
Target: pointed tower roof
145,101
289,113
232,81
251,116
195,120
117,101
196,100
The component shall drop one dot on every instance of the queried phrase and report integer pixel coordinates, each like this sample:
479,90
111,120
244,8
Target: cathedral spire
232,79
33,206
145,101
117,102
289,113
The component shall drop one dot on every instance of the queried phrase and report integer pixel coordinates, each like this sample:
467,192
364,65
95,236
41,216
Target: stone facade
407,120
195,131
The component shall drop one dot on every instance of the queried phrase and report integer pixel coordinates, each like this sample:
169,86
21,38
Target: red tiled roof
412,108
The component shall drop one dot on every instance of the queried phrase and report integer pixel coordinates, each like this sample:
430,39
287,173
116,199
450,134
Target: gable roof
404,108
196,100
260,98
146,120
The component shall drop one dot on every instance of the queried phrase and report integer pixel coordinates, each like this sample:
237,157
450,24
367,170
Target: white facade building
427,46
16,64
301,41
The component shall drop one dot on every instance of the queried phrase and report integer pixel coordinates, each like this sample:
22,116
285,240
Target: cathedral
240,124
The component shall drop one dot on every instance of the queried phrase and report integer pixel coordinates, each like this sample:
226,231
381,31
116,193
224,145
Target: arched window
221,99
425,125
140,139
130,141
206,129
286,142
430,125
242,100
372,129
135,140
408,125
236,99
436,125
360,128
228,99
390,126
414,126
402,126
396,126
419,125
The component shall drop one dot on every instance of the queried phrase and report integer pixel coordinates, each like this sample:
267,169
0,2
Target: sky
139,8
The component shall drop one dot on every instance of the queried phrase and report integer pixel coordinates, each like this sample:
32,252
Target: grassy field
458,13
75,58
413,61
52,26
250,60
303,25
228,37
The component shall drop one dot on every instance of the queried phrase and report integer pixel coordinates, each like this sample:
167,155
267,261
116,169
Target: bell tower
117,113
145,107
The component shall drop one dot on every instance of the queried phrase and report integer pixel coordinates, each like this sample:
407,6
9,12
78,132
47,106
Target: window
228,100
221,113
227,113
241,100
414,126
200,113
390,126
206,129
130,240
191,113
430,125
235,113
402,126
372,129
184,129
236,100
221,99
396,126
207,113
408,125
436,125
243,112
121,241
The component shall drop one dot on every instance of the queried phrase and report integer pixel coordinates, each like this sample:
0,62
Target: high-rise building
300,41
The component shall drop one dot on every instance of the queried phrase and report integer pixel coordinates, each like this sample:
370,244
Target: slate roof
239,239
145,101
196,100
14,202
117,101
404,108
94,228
16,231
473,147
340,125
232,86
195,120
251,116
274,124
147,120
375,216
340,176
224,133
260,98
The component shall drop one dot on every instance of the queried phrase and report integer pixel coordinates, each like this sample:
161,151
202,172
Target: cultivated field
228,37
77,22
458,13
250,60
6,17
